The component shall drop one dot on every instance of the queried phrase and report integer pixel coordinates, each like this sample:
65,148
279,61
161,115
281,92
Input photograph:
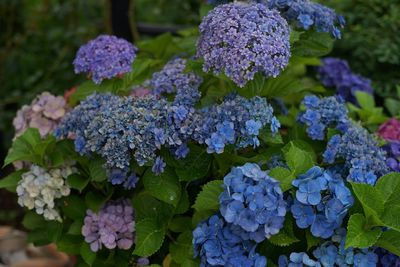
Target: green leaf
87,254
165,187
183,204
10,182
32,221
23,148
194,166
298,160
282,85
286,236
89,87
208,198
70,244
365,100
358,234
180,224
313,44
312,241
77,181
74,207
95,200
381,203
96,170
393,106
182,249
284,176
390,240
371,201
149,237
146,206
75,228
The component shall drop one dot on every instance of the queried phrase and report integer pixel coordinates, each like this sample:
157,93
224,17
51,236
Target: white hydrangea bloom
39,187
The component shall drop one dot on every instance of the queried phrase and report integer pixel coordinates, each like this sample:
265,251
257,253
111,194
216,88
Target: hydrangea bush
232,145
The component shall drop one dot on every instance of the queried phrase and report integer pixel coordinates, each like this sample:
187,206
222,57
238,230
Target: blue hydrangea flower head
387,259
364,160
217,245
322,201
105,57
323,113
253,202
307,14
243,39
297,260
158,166
336,73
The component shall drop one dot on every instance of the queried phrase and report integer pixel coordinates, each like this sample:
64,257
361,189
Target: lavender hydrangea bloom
105,57
172,78
113,226
253,201
336,73
323,113
364,160
309,14
322,201
243,39
216,245
44,113
393,155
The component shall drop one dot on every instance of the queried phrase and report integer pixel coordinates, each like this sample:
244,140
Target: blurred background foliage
39,38
371,41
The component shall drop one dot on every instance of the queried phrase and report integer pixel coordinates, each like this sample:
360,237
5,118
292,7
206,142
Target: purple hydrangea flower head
392,150
387,259
322,201
217,245
364,160
44,113
105,57
323,113
336,73
307,14
172,78
113,226
253,202
243,39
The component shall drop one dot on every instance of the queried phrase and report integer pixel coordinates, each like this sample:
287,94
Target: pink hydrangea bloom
390,130
44,113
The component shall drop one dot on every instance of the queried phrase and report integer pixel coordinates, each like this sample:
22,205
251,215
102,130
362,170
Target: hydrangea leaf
87,254
96,170
286,236
77,181
23,148
365,100
182,249
73,207
180,224
70,243
146,206
358,236
94,200
284,176
149,237
208,198
381,203
10,182
298,160
371,201
75,228
165,186
313,44
312,241
183,204
194,166
32,221
390,240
